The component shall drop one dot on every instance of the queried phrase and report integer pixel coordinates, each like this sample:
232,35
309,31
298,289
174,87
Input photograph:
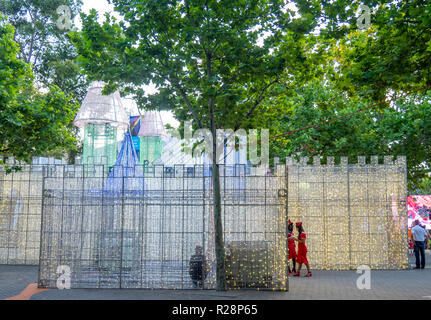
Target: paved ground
406,284
14,279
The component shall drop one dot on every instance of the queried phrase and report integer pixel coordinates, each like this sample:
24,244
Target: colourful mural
419,208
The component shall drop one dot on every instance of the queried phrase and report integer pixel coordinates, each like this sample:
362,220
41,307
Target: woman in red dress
291,247
301,257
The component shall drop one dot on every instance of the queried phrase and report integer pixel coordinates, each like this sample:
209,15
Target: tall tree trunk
218,226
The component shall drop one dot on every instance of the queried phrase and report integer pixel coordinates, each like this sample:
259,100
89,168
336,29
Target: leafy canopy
394,54
212,61
197,53
31,123
44,46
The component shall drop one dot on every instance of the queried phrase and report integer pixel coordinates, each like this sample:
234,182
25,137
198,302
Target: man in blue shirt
419,235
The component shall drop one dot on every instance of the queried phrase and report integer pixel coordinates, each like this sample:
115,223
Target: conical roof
125,168
98,108
127,156
152,125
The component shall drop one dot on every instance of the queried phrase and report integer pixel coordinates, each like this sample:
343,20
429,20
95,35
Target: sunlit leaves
31,123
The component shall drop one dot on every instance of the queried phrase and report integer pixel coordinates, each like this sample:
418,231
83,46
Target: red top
290,241
302,248
291,246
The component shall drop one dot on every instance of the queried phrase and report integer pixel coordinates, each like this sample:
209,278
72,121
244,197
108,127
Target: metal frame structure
20,214
142,232
353,214
104,121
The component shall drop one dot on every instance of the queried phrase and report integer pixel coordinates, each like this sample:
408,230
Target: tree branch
188,103
257,102
183,94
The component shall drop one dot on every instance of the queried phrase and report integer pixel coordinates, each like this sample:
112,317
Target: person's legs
307,266
422,251
308,270
299,269
416,248
294,264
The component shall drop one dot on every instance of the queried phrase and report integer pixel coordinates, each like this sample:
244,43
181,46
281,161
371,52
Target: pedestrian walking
301,257
291,247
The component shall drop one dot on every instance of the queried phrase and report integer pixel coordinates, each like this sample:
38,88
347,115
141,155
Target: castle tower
151,133
104,121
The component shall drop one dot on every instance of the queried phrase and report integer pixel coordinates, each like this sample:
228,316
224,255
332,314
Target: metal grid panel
353,214
150,150
100,108
20,214
374,210
152,125
100,144
132,238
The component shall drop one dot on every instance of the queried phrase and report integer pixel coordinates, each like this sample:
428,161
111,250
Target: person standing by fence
419,235
198,267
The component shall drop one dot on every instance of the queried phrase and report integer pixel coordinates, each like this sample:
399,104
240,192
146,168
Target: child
301,256
410,247
291,247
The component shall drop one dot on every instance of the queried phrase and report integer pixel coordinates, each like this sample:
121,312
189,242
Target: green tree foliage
43,45
14,72
406,129
393,54
31,123
356,68
313,104
402,128
212,61
424,186
47,48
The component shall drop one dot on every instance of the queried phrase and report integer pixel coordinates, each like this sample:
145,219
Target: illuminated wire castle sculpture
21,211
141,233
128,221
132,219
354,214
104,120
138,229
150,134
123,220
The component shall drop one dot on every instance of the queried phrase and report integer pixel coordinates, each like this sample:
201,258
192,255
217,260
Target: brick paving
340,285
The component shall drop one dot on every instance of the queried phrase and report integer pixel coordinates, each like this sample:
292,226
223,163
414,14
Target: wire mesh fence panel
150,149
20,214
141,227
100,144
353,214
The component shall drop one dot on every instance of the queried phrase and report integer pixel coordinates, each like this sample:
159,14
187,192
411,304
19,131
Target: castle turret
151,133
104,121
